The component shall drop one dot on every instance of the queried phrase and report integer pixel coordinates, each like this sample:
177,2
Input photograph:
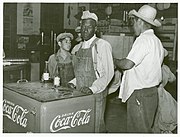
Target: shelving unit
168,36
114,27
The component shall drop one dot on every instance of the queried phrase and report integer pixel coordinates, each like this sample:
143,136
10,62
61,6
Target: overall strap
95,54
56,57
94,42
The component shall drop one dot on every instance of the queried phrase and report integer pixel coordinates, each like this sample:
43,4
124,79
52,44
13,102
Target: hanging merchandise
42,38
80,12
68,15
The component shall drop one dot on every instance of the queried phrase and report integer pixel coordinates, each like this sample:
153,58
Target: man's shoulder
101,43
76,48
102,40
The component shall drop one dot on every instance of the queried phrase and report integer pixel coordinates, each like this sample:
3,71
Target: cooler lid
43,92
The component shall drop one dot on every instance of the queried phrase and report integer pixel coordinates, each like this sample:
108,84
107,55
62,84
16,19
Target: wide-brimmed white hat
146,13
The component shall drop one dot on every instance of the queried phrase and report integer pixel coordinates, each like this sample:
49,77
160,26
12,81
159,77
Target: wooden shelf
166,31
168,36
119,33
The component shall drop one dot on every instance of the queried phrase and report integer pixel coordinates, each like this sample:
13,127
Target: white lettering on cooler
15,113
79,118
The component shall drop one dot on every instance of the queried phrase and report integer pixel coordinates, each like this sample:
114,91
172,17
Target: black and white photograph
89,67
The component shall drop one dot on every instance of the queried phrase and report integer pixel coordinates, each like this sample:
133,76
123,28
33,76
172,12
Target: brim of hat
65,36
155,22
89,18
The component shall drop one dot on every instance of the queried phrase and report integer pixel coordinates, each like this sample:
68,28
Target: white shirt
147,53
105,66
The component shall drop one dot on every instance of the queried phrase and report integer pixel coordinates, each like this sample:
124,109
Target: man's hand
86,90
71,85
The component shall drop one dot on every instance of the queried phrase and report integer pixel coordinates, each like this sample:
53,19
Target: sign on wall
28,18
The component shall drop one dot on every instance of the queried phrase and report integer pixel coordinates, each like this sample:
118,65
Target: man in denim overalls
93,66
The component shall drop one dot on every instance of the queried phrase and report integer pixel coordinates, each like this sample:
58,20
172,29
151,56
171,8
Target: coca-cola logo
15,113
70,120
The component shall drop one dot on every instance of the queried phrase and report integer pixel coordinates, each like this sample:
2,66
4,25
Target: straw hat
146,13
64,35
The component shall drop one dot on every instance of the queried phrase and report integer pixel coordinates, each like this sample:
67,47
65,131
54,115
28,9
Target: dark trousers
100,110
141,110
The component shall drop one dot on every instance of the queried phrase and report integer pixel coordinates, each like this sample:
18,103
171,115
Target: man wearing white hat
93,66
142,72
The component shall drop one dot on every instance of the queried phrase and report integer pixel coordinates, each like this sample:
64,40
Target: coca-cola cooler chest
37,107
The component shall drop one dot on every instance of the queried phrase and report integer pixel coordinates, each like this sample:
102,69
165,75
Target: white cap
89,15
64,35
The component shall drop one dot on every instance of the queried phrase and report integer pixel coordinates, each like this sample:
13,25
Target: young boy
60,63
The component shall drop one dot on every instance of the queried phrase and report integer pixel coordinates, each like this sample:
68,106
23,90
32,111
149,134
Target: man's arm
105,67
124,63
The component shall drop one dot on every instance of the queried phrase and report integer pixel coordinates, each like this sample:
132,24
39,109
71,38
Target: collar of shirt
148,31
86,44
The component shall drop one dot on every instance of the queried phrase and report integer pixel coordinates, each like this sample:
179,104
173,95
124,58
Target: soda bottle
46,73
56,81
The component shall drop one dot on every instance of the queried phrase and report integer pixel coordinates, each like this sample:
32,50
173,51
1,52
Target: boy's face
66,44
